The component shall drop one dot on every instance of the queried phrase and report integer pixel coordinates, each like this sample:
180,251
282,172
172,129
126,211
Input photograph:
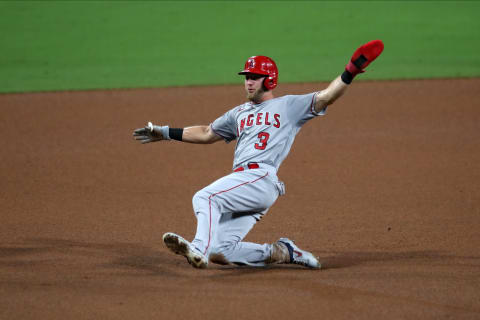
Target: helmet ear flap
269,83
265,84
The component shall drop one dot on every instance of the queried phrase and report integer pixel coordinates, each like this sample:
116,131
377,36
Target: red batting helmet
264,66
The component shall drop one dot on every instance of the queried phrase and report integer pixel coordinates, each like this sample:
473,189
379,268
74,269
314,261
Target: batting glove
363,56
151,133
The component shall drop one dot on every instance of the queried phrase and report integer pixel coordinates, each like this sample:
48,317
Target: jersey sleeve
301,107
226,126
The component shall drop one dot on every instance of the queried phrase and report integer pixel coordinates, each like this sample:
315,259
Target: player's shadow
129,258
339,260
138,260
354,258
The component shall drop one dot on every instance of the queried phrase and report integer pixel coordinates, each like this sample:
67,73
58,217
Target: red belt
249,166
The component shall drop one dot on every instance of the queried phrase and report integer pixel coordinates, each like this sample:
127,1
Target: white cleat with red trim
299,256
181,246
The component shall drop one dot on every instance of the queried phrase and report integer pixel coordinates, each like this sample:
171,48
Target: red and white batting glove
361,58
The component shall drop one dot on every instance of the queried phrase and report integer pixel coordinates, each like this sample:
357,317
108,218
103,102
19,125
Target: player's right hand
363,56
151,133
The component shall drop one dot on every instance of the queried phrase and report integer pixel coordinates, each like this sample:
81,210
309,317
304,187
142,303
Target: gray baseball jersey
265,131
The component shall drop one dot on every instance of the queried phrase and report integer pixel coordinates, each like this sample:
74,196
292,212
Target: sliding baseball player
264,129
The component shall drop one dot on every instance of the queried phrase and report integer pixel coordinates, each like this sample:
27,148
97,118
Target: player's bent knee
200,200
224,250
218,258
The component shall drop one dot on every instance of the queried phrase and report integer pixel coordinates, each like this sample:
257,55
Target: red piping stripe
210,207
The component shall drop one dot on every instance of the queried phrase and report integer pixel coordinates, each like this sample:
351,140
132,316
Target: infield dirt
385,189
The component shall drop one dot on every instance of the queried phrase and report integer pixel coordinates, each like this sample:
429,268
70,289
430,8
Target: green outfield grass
59,45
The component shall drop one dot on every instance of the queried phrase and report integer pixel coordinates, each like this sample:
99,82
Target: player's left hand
151,133
363,56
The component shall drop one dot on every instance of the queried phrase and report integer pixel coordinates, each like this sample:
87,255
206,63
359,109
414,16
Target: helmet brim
250,72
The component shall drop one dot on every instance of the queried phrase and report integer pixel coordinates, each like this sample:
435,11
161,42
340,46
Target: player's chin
254,96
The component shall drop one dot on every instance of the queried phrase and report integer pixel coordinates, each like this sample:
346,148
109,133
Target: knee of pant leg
205,200
222,251
218,258
200,200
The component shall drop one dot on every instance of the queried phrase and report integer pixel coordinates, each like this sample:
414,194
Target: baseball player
265,128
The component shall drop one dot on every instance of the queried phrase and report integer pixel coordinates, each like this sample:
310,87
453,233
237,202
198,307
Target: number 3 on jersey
263,139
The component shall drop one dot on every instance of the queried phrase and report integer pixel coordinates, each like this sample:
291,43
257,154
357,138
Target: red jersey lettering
266,120
259,119
250,120
276,116
242,125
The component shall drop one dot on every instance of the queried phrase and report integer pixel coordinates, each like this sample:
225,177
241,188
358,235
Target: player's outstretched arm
360,59
327,96
195,134
200,134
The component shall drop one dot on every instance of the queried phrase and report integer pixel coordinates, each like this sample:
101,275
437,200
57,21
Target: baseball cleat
181,246
299,256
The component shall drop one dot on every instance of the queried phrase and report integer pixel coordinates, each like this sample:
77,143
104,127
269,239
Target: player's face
253,87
